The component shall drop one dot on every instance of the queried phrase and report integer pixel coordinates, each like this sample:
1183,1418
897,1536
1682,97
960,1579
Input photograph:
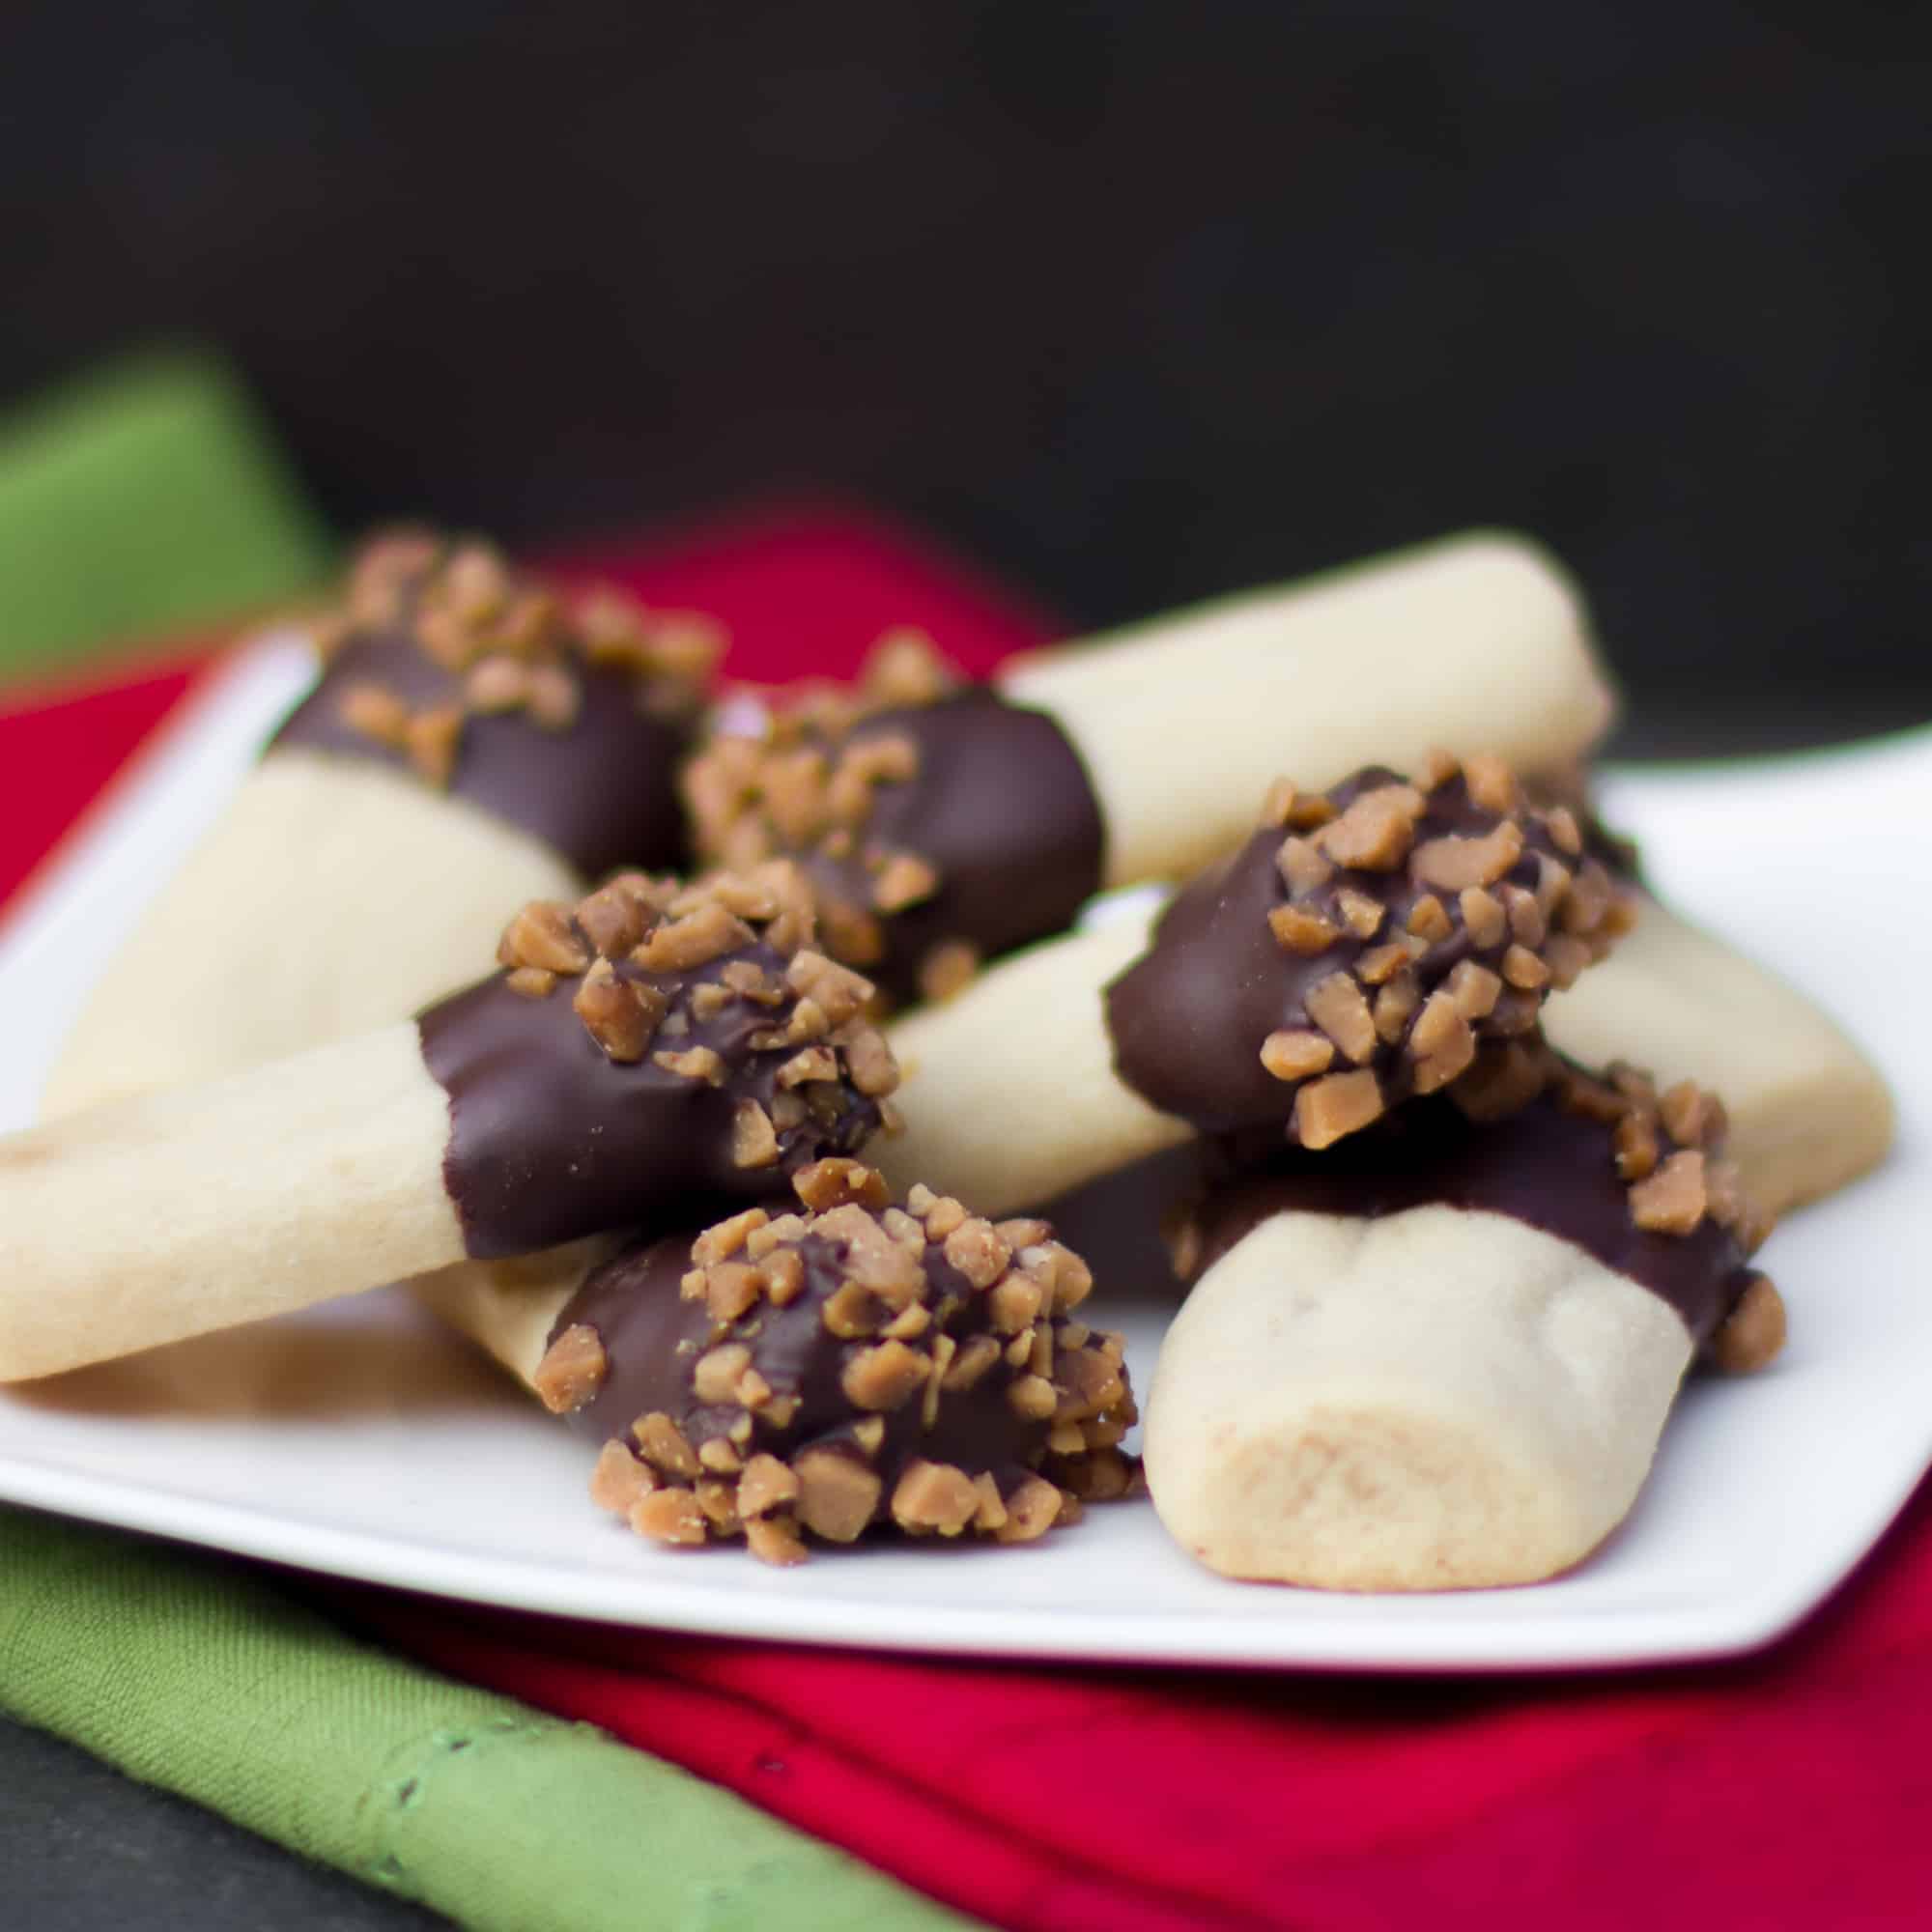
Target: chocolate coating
1002,808
550,1139
1545,1165
997,804
600,790
652,1337
1188,1019
861,1333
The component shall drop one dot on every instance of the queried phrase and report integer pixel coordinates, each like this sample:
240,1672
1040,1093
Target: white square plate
360,1440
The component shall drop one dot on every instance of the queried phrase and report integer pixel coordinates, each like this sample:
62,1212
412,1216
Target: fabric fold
209,1678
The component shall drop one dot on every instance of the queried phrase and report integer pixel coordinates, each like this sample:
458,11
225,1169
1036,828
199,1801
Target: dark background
1133,302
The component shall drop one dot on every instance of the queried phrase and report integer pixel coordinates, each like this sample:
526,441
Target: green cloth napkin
206,1679
147,499
142,500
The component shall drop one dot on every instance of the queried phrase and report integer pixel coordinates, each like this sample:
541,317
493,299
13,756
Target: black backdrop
1135,300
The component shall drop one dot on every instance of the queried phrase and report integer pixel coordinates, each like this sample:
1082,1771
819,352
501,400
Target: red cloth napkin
1783,1790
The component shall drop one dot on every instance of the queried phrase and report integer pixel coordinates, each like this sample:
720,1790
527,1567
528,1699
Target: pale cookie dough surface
333,896
1008,1090
1435,1399
1808,1113
1474,644
175,1214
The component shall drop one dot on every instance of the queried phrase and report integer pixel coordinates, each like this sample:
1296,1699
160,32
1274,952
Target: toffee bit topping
696,982
755,1141
532,983
376,712
867,1363
505,647
801,783
1338,1104
1754,1333
1671,1200
572,1370
947,970
1416,921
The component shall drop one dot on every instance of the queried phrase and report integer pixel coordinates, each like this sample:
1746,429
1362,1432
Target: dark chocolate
1545,1165
1002,808
1188,1019
600,791
654,1323
998,807
550,1139
652,1337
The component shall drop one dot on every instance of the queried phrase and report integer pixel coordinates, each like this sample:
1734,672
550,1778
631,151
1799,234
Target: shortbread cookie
1441,1355
1808,1112
952,829
474,742
654,1049
1354,950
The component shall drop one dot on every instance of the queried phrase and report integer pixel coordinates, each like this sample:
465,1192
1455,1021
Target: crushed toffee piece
941,825
565,720
865,1365
1358,951
654,1046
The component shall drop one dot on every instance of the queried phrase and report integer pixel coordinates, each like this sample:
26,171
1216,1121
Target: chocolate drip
1545,1166
550,1139
601,791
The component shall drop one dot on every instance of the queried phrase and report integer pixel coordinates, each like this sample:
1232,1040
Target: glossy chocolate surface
652,1337
1001,806
1188,1017
550,1139
601,791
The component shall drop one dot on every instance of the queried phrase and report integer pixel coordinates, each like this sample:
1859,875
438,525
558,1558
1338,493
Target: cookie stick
1353,950
958,829
1808,1112
1442,1357
652,1050
1476,642
472,743
783,1374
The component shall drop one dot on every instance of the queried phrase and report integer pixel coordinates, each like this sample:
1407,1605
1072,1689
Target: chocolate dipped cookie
651,1050
947,825
819,1368
1441,1354
475,740
1352,953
